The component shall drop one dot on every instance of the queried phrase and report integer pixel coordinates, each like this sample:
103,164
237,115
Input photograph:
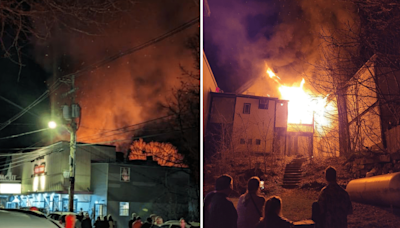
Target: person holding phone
250,205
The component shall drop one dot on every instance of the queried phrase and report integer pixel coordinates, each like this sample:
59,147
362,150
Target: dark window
258,142
249,141
263,103
246,108
242,141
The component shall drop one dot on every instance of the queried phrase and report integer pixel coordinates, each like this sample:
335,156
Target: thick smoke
128,90
240,38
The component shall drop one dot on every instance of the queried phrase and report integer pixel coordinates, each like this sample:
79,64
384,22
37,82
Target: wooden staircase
292,176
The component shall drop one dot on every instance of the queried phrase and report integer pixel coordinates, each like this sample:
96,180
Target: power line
105,61
32,155
22,134
16,105
33,104
125,128
137,48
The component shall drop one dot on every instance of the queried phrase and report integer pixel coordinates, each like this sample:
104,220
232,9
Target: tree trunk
344,134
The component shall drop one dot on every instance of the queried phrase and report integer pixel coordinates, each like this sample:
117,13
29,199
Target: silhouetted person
110,221
334,203
98,222
133,219
137,223
86,222
219,211
250,205
105,223
273,215
148,223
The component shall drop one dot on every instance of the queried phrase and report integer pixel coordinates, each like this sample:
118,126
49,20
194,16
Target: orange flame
272,75
304,107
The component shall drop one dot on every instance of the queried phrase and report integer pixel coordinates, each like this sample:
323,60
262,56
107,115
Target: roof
246,96
247,85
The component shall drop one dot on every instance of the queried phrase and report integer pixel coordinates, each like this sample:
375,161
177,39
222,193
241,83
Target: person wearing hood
86,222
133,219
137,223
105,223
110,221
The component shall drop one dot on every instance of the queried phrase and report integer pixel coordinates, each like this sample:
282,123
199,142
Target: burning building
250,124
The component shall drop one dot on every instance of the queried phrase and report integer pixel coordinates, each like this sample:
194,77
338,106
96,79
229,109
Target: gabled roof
246,96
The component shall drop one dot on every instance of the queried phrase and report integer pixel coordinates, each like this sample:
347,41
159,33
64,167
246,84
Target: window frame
122,210
263,103
244,108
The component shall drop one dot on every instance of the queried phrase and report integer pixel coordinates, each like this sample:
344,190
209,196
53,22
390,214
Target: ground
297,202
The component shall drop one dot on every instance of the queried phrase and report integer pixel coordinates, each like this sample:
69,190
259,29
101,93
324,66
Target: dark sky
124,92
242,36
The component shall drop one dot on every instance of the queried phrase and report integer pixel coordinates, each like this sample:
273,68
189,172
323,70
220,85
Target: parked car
173,224
43,210
59,217
18,218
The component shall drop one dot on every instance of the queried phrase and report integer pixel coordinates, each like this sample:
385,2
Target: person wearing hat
132,220
137,223
219,210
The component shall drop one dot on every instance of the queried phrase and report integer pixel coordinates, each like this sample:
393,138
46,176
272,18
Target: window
242,141
125,174
258,142
123,208
249,141
246,108
263,103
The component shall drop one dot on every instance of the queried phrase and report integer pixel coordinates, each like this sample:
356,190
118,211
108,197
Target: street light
52,124
70,114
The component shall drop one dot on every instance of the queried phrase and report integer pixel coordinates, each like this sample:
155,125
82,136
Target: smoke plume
128,90
240,38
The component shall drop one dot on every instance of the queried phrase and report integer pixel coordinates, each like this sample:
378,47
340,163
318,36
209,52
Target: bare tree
26,20
359,69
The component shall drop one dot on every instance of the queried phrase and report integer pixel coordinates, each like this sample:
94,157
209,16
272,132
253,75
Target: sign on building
8,177
125,174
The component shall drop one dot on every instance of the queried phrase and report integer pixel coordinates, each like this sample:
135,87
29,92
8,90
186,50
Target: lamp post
70,114
72,164
72,128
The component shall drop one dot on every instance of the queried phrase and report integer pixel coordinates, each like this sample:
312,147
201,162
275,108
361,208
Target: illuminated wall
258,124
55,162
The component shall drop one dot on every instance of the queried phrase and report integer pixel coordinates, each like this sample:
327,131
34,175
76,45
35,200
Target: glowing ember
273,76
304,107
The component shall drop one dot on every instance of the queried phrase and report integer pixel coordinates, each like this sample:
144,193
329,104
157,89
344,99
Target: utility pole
70,114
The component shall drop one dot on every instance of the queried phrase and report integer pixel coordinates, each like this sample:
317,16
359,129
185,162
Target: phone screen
261,185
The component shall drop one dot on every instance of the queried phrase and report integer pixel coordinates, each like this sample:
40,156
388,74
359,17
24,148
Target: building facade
209,86
103,185
372,101
246,123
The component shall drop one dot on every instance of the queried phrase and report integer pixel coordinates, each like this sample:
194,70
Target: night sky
126,91
241,37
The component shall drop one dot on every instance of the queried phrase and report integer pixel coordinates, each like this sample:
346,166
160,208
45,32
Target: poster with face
125,174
